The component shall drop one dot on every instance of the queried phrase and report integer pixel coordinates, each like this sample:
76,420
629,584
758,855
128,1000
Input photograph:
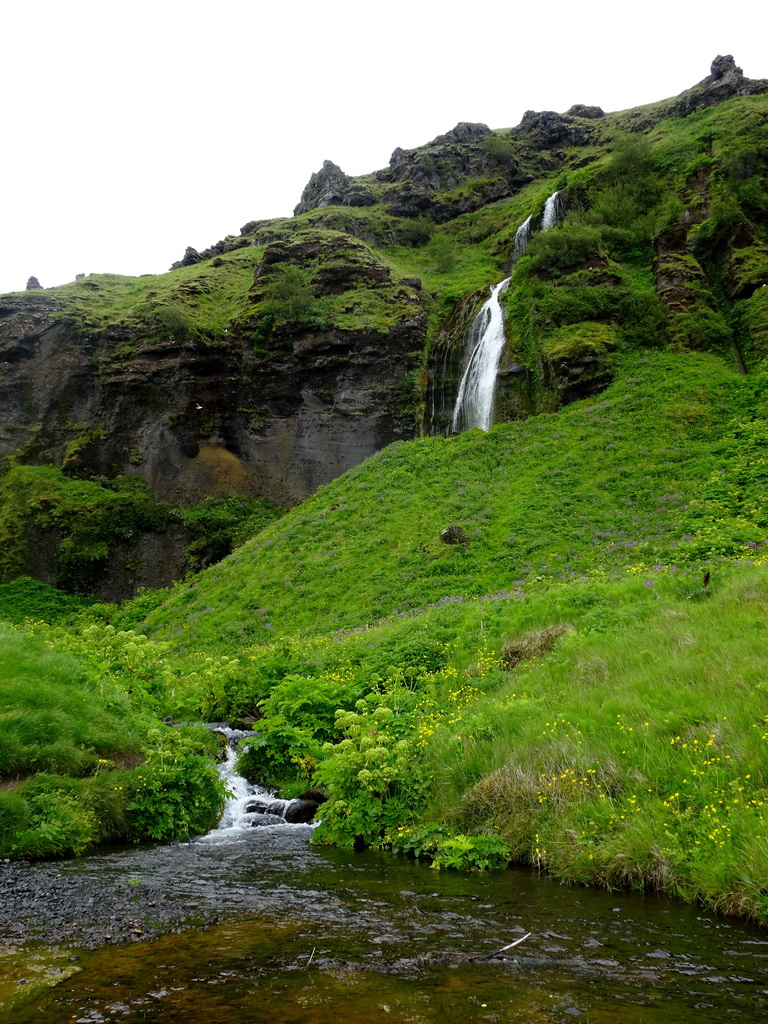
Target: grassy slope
628,750
83,759
605,484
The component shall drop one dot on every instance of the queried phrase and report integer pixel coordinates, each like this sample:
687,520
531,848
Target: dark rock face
276,419
330,186
724,81
33,283
547,129
190,258
465,131
581,110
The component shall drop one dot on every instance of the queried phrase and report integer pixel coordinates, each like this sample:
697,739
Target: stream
257,924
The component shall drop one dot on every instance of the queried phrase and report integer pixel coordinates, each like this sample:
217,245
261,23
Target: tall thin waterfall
554,211
474,402
522,238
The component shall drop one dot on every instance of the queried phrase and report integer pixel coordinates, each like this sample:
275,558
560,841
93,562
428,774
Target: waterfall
522,238
474,402
247,805
554,210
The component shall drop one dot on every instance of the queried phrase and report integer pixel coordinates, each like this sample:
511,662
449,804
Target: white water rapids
247,805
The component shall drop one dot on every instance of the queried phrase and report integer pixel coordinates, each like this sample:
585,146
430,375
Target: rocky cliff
272,414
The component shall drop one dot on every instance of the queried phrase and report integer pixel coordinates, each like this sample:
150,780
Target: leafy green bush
448,849
277,752
372,778
177,793
49,824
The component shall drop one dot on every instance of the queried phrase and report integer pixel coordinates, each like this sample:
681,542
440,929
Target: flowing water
554,211
522,239
477,388
311,935
474,402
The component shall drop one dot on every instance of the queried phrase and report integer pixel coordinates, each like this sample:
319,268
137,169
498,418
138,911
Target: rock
256,807
409,200
547,129
326,187
299,812
79,277
724,81
465,131
453,534
190,257
580,110
722,66
259,820
33,283
359,195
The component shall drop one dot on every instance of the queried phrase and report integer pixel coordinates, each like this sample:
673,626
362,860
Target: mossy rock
576,340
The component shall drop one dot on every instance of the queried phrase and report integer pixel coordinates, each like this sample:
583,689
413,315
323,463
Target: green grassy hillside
666,466
83,759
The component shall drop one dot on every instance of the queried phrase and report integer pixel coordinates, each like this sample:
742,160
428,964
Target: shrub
178,792
448,849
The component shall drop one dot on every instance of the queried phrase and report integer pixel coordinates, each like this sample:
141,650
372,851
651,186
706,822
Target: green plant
177,792
448,849
372,778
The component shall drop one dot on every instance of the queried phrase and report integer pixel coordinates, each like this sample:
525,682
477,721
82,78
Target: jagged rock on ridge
724,81
326,187
548,128
582,110
465,131
32,284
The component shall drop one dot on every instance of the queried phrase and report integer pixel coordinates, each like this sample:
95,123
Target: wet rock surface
57,905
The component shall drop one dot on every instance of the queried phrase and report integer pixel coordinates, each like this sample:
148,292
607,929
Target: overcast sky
133,130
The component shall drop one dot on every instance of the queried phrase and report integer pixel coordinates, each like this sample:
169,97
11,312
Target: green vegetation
89,527
83,761
651,482
581,687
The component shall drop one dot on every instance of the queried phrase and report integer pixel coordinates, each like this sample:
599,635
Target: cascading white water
246,805
554,210
522,238
474,402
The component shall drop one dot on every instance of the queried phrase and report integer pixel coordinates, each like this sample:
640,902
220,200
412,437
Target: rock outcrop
724,81
330,186
271,415
32,284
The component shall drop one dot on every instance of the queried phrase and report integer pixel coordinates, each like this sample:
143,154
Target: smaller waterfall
246,805
554,211
522,238
474,402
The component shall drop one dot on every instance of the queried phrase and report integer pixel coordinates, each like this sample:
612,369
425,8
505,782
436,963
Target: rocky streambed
261,922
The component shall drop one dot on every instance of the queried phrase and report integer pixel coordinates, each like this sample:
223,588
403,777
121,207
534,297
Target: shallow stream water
262,926
314,935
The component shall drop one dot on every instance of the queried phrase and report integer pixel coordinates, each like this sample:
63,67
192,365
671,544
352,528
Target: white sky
132,130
